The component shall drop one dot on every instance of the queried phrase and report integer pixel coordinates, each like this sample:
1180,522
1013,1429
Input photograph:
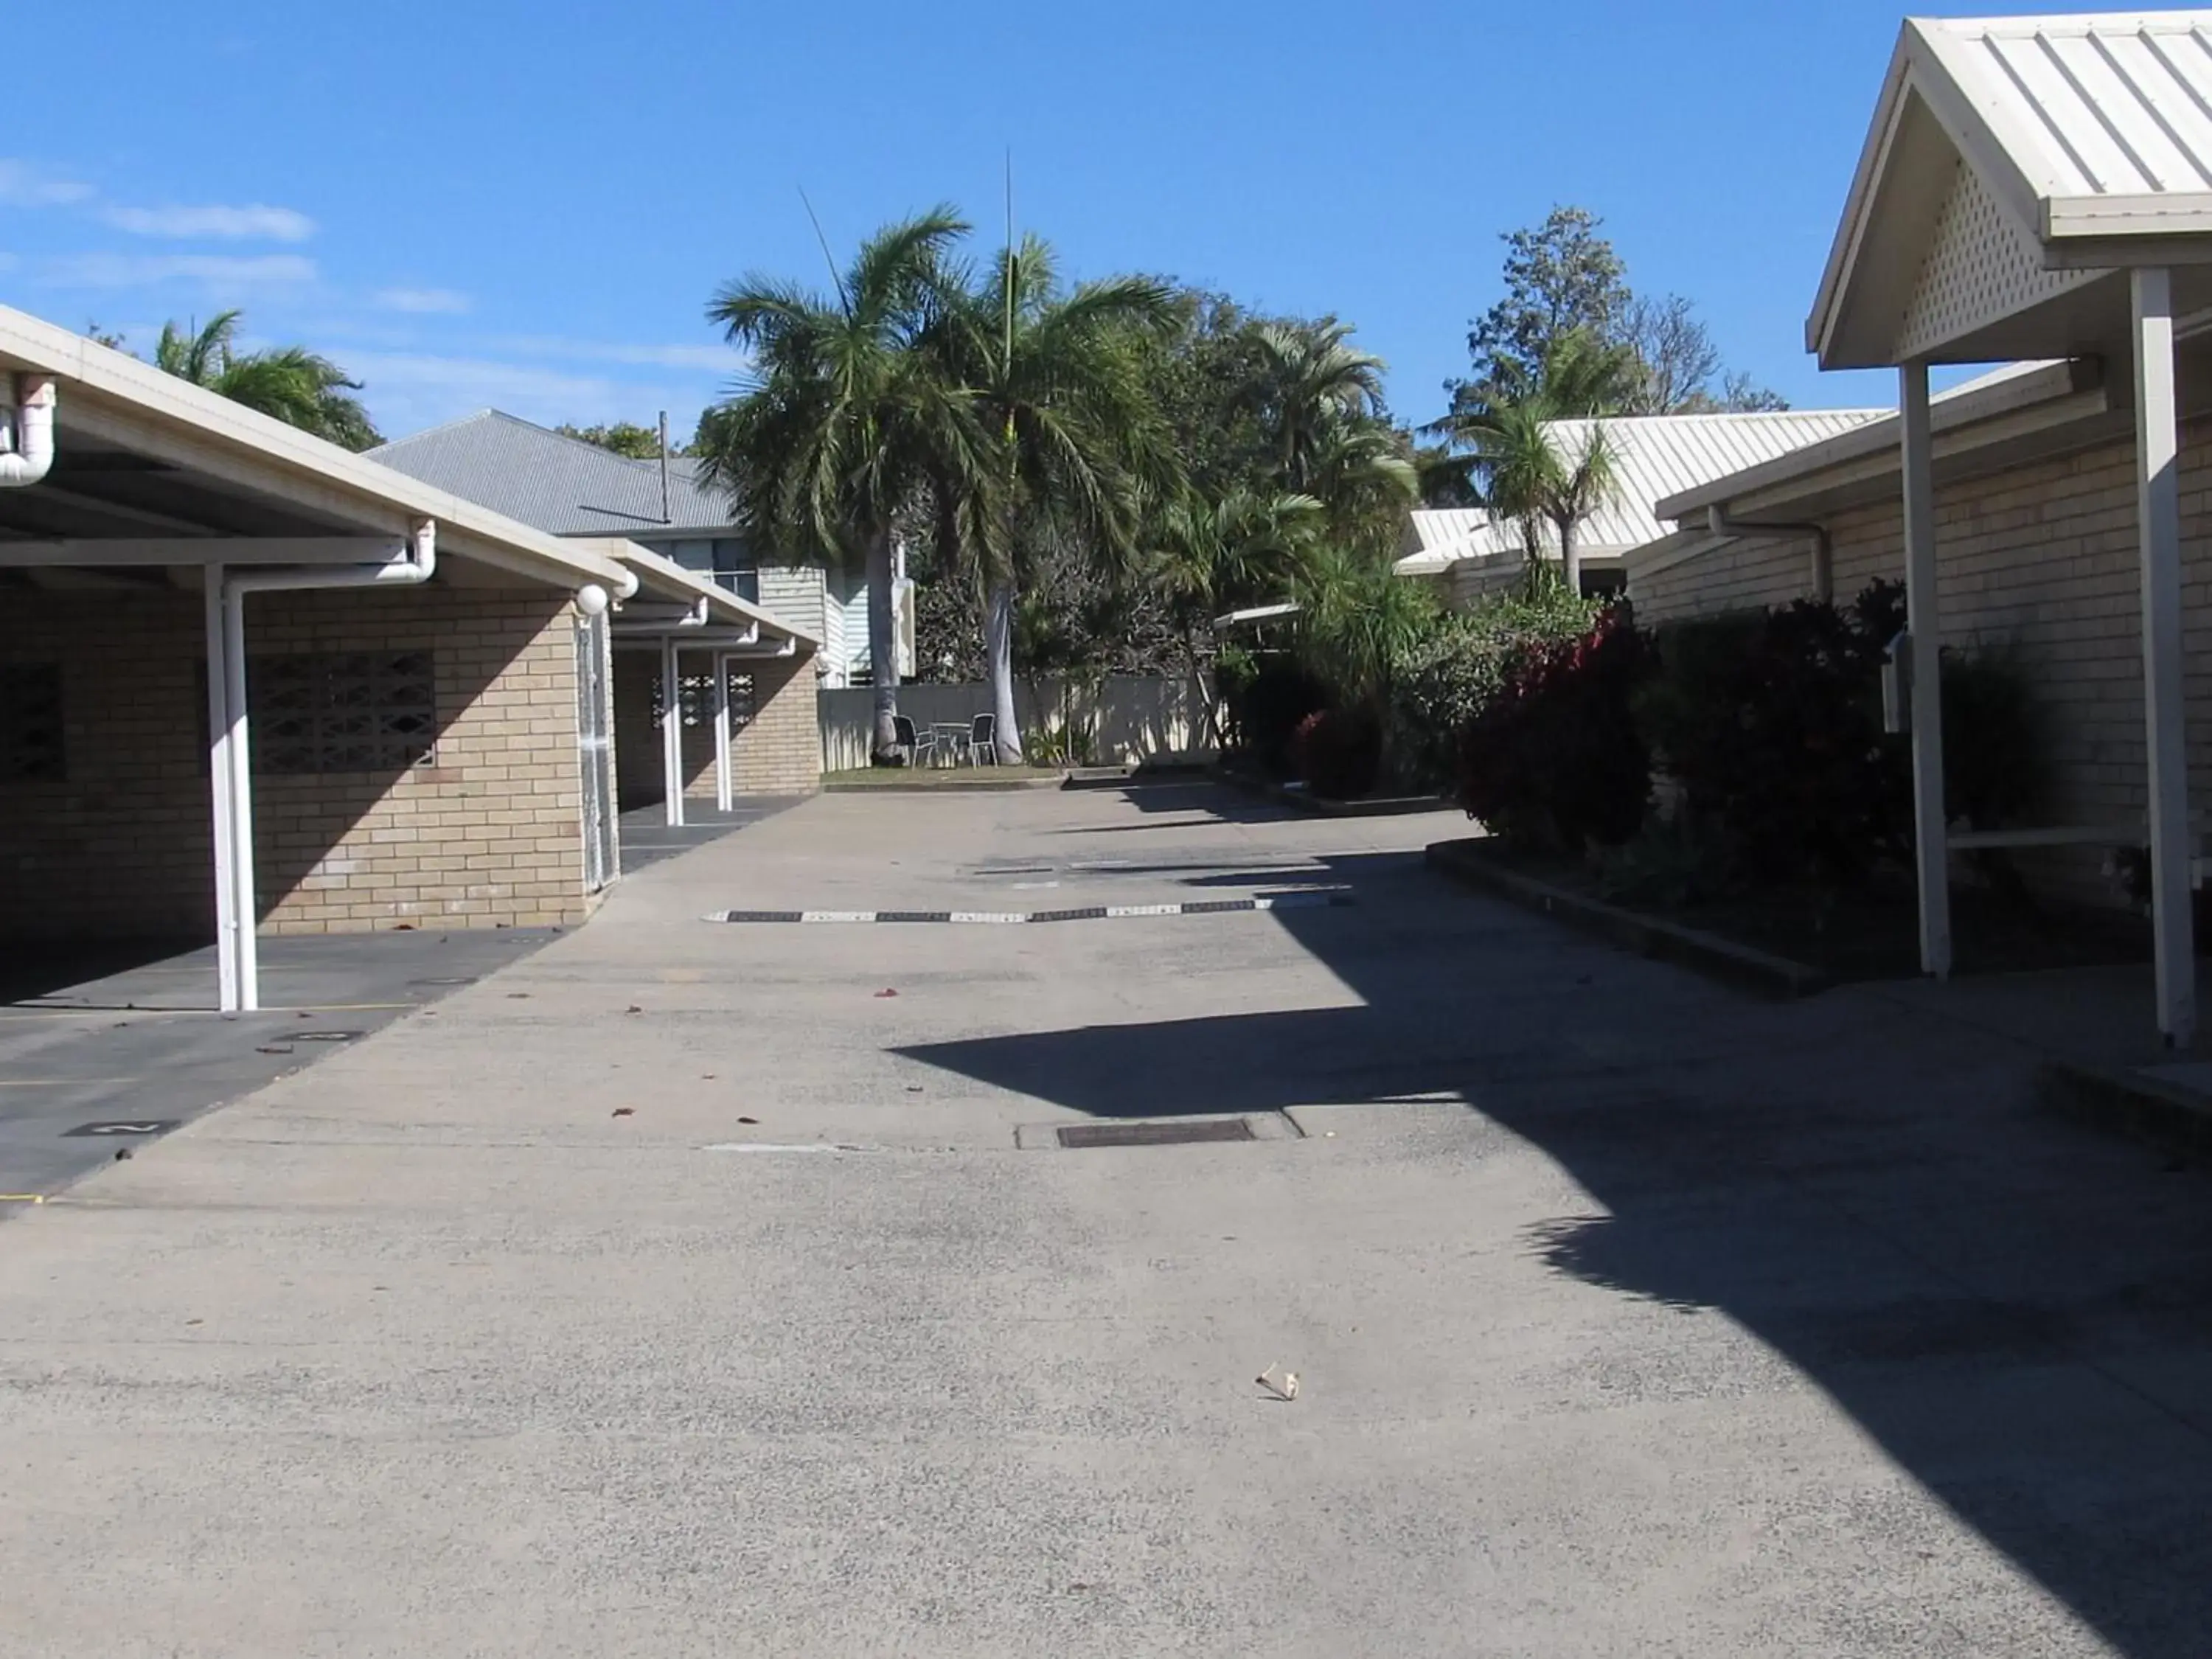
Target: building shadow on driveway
2019,1311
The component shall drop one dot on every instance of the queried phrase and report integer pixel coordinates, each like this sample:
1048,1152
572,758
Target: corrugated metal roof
1655,457
559,484
2089,107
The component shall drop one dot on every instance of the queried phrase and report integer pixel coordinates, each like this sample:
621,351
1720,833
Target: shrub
1339,752
1267,709
1554,760
1771,724
1441,683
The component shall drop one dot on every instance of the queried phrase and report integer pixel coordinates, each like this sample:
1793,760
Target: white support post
219,791
724,784
1930,824
672,735
242,800
2158,517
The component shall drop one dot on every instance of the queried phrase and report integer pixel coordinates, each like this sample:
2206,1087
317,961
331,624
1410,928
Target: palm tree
1535,471
1310,380
1207,558
845,418
1059,387
288,382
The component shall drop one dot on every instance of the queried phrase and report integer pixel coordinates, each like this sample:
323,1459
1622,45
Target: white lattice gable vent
1983,266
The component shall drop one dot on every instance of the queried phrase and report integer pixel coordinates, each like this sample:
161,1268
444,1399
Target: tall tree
1210,557
1059,386
624,437
1561,277
845,418
1540,444
290,383
1310,382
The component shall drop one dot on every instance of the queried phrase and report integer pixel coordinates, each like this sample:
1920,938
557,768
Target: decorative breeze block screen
31,722
355,711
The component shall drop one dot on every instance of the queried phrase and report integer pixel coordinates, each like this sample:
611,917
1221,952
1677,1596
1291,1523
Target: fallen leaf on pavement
1283,1384
748,1120
886,994
625,1111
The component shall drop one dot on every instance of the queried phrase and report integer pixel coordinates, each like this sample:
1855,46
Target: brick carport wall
489,833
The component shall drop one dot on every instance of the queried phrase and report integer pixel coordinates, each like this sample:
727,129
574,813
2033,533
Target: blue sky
526,205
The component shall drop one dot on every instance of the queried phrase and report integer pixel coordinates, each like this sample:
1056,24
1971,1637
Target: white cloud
254,223
422,301
408,391
113,270
23,184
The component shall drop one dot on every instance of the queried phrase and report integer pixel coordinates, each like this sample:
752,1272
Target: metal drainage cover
322,1037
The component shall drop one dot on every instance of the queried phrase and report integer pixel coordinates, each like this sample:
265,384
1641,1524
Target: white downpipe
2165,651
672,735
232,750
27,422
725,786
219,792
1931,843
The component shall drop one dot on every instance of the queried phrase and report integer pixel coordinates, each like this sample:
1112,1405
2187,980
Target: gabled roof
1655,456
560,484
2012,165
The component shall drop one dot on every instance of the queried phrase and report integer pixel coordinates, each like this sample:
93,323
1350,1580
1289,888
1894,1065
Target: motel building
254,683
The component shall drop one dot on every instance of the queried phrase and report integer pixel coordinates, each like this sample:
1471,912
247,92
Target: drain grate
1154,1134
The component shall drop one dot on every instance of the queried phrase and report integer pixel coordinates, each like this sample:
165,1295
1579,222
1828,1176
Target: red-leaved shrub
1554,760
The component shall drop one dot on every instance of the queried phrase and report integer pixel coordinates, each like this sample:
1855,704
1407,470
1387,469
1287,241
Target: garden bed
1797,940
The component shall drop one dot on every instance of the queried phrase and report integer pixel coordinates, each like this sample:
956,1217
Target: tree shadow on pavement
2019,1311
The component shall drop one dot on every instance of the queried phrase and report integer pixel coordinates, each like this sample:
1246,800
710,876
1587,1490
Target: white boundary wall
1129,716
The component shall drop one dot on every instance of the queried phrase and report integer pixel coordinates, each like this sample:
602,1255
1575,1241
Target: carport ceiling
99,491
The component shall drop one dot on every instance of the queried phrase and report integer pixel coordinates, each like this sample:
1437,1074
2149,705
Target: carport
406,750
678,615
2039,188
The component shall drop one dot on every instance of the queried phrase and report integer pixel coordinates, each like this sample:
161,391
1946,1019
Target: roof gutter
1724,528
27,428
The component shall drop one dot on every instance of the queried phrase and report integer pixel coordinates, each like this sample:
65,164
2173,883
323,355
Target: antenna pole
664,518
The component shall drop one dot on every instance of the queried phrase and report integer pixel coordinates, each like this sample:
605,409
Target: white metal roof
1655,457
2012,162
661,577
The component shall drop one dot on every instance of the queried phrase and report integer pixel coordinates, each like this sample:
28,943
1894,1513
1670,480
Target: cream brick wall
490,834
765,757
2043,561
780,751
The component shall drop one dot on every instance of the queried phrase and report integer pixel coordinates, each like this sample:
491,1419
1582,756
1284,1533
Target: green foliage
1061,744
1565,277
1561,277
1997,754
1444,678
1771,724
1339,752
1555,761
625,438
1358,618
1265,712
289,383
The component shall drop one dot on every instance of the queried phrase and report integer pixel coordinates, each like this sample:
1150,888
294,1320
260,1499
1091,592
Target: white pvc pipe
1931,825
2158,519
672,735
27,421
231,747
219,792
724,784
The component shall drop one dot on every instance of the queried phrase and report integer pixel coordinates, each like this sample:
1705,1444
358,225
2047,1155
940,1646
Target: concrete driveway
677,1289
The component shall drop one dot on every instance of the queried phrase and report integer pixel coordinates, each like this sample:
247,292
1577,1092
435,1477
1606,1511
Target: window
31,723
725,558
365,711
